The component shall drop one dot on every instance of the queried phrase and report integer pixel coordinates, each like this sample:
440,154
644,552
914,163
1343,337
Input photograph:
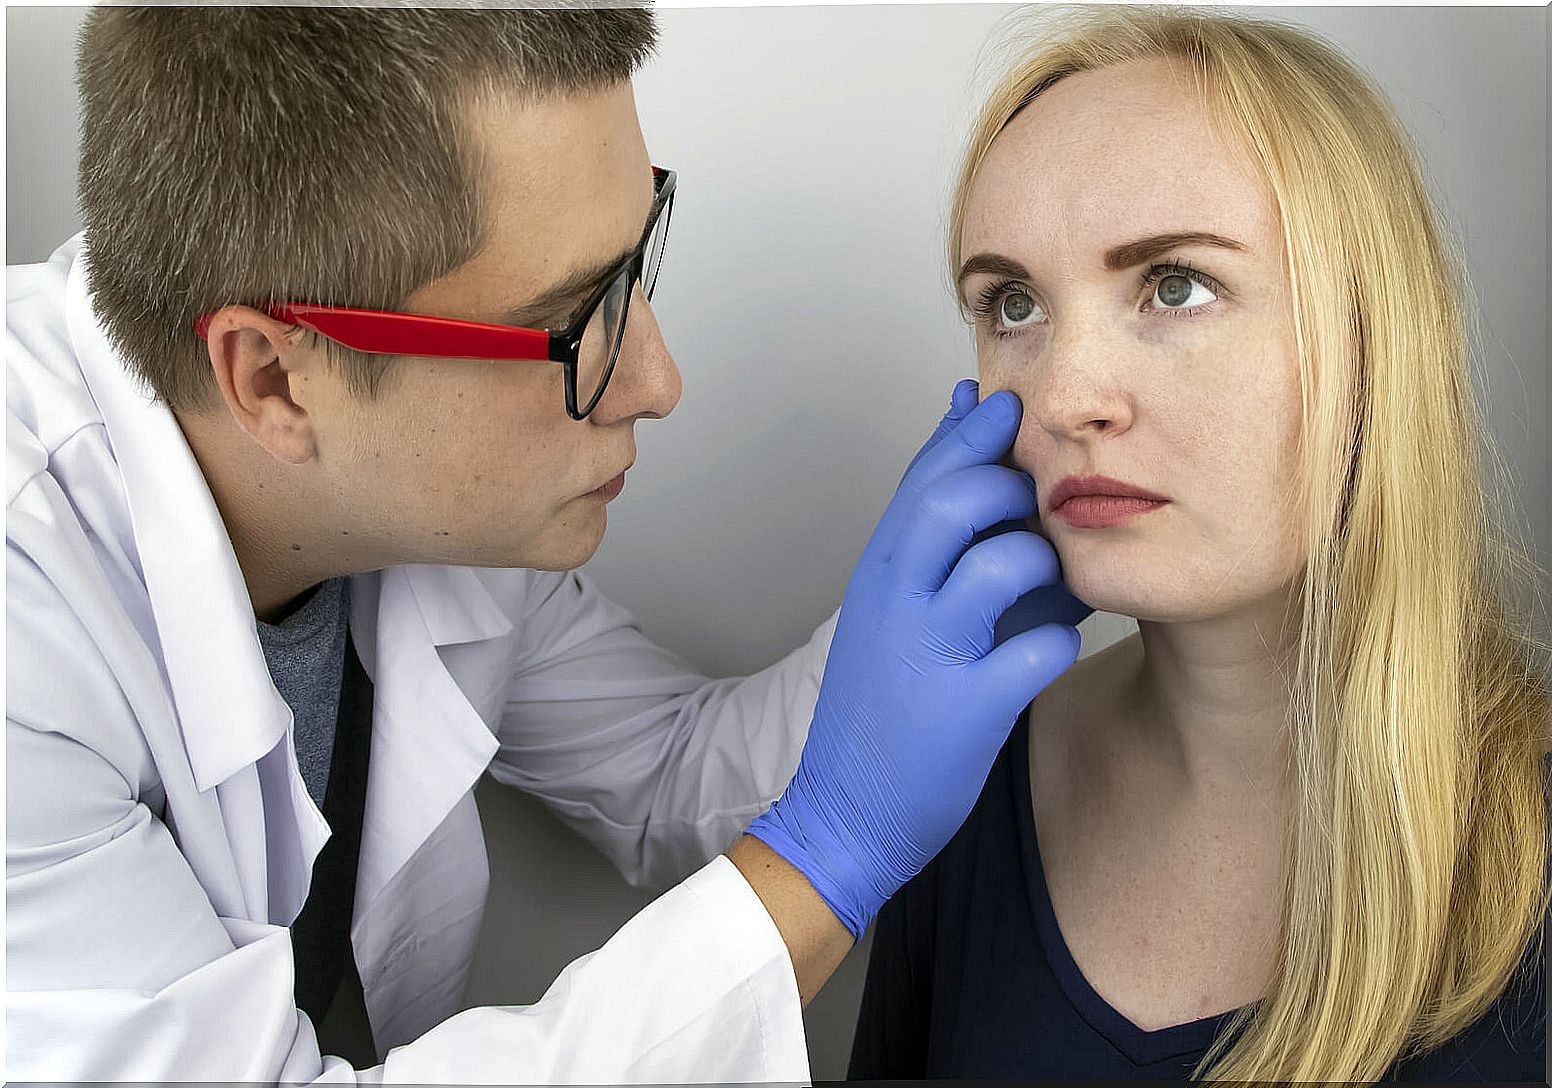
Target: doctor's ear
262,368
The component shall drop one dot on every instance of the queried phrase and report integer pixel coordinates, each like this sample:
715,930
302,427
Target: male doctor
305,433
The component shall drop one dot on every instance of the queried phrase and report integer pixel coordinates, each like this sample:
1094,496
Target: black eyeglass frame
386,332
566,345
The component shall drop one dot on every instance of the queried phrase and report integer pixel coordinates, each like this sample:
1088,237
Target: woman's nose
1077,388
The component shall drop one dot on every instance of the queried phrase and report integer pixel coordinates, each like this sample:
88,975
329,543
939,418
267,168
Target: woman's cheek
998,367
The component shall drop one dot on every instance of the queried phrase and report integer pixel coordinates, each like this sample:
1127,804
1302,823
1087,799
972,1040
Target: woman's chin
1144,596
1170,593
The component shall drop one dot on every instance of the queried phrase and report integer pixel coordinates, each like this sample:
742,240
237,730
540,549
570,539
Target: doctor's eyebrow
563,297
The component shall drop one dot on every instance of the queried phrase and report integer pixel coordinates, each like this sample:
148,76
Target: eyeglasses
587,349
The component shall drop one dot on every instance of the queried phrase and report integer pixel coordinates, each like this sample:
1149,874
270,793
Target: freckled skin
1201,407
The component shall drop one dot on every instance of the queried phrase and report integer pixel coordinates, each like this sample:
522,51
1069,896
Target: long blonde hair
1415,876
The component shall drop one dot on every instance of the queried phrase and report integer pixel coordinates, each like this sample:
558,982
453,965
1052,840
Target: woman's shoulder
1000,826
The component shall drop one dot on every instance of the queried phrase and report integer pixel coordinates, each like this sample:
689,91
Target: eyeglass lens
601,340
654,252
605,331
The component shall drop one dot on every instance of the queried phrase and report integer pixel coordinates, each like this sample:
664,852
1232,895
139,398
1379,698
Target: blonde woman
1295,829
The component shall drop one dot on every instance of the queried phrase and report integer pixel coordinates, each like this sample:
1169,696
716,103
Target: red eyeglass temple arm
385,333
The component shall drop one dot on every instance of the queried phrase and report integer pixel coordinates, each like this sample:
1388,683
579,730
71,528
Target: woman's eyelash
1151,277
989,299
985,306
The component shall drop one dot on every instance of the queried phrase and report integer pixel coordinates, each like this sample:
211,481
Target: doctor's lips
1097,502
610,490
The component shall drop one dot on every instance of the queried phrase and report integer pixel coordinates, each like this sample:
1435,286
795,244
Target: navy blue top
970,977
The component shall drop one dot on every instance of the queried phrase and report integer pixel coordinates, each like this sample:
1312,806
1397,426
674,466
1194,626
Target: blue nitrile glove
915,702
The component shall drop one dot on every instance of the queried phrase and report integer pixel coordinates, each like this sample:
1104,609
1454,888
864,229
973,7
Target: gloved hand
1052,603
915,702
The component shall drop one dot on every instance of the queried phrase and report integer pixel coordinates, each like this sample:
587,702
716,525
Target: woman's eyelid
1020,287
986,304
1181,266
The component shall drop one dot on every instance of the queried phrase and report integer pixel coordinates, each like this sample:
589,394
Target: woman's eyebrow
1129,255
994,264
1117,258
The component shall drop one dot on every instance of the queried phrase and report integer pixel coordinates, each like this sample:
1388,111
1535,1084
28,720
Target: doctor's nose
646,382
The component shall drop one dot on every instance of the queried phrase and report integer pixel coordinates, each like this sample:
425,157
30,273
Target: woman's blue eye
1018,309
1176,291
1004,307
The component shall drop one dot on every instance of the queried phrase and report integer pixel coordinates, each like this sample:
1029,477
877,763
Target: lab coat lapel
229,712
203,613
429,744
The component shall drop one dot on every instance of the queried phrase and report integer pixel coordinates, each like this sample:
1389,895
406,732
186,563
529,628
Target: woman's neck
1209,699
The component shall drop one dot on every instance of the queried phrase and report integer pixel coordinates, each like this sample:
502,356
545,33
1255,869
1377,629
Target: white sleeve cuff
697,987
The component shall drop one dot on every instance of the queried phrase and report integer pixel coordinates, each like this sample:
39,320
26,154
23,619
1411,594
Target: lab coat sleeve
656,765
120,967
697,987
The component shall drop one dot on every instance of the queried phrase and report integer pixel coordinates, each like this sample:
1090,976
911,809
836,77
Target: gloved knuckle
1026,547
937,508
979,442
986,563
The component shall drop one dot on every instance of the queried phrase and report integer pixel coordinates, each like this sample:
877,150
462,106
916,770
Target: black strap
320,936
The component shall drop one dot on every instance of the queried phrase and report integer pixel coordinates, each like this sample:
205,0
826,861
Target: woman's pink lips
1095,502
1102,511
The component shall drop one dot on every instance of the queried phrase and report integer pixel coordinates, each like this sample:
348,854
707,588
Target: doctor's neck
287,530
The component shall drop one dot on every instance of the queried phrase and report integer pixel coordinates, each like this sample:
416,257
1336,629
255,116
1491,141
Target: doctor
282,588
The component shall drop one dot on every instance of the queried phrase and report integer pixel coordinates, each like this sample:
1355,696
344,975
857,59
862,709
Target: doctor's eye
1179,289
1006,307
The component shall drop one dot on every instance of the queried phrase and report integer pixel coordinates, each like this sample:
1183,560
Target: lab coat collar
429,743
456,605
204,615
231,713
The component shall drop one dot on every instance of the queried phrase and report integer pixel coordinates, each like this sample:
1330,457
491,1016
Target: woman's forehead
1120,152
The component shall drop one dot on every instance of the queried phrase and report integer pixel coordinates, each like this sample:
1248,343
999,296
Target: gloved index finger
982,437
961,402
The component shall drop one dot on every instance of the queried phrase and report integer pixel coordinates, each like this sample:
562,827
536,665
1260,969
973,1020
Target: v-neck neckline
1140,1047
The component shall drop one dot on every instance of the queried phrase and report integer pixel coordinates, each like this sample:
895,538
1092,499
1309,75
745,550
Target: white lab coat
160,838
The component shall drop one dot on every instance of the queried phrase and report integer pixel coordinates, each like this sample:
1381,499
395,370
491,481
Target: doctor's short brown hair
252,155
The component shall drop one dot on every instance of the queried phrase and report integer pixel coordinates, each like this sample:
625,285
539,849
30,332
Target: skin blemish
296,547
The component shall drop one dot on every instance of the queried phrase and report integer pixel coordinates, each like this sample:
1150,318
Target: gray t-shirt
305,653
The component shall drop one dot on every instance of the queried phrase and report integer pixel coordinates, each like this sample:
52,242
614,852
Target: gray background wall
805,300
